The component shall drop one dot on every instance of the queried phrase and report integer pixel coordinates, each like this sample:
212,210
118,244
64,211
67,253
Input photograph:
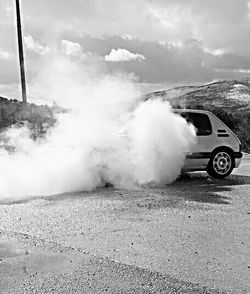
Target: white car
217,151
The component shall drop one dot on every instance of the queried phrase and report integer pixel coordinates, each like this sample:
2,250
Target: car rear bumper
237,156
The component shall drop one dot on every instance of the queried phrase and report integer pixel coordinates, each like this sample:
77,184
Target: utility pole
20,49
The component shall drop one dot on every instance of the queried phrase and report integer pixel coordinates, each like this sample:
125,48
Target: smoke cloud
106,136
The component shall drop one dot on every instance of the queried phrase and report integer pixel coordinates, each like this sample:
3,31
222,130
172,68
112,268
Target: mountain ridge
232,95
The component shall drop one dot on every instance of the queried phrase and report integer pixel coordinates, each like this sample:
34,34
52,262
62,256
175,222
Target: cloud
215,52
121,55
184,62
162,35
71,48
34,46
158,20
242,70
6,55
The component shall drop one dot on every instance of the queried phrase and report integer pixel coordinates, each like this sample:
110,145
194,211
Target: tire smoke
106,136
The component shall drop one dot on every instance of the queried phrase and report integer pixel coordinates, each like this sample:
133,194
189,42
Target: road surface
191,236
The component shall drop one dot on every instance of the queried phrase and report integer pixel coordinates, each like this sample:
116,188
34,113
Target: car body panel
220,136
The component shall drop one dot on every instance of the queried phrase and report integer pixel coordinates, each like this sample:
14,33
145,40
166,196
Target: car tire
220,164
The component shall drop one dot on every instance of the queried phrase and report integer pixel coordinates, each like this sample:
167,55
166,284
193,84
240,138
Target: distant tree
226,117
195,106
39,118
176,106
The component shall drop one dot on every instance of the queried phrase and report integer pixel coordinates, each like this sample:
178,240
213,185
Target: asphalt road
189,237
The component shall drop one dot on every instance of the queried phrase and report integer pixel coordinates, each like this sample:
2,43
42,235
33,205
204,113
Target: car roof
191,110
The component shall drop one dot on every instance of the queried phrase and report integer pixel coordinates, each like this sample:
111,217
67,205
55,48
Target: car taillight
240,148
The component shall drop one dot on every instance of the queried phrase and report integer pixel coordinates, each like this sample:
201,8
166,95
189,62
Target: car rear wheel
220,164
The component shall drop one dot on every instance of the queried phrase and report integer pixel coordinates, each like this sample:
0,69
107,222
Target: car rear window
200,121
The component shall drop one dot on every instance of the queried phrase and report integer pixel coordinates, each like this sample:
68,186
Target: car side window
200,121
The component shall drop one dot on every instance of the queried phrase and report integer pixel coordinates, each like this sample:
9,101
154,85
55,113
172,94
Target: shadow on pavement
197,187
201,188
192,188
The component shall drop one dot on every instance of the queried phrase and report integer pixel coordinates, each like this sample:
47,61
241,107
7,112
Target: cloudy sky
158,41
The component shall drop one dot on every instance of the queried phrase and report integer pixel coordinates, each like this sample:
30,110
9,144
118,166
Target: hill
228,99
39,118
232,95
